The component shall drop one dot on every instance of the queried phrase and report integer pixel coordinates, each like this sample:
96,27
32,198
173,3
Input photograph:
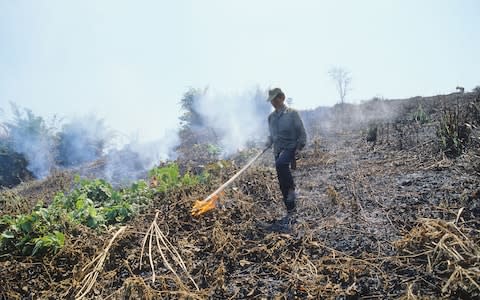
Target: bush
168,177
30,234
13,168
453,134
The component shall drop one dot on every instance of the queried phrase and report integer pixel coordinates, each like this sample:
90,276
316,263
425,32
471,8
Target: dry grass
95,267
447,250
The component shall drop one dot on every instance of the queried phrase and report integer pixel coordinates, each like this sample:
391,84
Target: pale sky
129,62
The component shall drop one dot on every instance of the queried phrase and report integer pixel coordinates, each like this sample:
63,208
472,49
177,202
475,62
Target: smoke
79,142
374,110
36,148
29,135
82,140
236,118
136,158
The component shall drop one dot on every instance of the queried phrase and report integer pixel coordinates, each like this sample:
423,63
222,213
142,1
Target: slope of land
391,218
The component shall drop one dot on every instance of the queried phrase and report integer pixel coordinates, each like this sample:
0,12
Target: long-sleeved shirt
286,130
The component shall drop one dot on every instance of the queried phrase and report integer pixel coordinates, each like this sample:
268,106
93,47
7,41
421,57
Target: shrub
453,134
420,116
166,178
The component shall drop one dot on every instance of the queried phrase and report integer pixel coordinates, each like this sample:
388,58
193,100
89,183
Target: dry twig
165,248
90,279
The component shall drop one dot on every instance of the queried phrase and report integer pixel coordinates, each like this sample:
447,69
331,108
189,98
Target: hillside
397,216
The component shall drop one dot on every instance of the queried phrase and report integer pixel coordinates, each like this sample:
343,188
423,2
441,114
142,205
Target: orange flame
202,206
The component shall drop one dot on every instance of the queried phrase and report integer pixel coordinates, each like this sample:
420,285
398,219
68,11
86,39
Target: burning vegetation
389,214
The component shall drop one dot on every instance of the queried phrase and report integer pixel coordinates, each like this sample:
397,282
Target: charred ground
396,217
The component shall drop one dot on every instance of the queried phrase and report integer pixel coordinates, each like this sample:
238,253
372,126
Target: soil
394,218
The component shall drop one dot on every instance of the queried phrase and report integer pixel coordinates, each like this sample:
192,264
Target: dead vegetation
397,219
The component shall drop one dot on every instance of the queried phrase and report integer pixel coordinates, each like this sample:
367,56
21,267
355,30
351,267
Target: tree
30,136
342,80
194,126
191,117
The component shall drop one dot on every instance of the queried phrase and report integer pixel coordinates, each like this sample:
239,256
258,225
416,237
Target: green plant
138,194
85,212
93,203
165,178
50,242
32,233
453,133
214,150
118,213
420,116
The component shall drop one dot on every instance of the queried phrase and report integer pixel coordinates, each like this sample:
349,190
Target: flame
202,206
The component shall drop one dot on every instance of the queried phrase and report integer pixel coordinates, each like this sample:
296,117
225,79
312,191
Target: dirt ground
391,219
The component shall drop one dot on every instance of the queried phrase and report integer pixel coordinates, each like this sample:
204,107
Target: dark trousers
282,164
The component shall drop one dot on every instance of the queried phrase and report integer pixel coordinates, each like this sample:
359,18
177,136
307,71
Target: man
287,134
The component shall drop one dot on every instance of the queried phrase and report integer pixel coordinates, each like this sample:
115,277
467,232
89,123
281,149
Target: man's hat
273,93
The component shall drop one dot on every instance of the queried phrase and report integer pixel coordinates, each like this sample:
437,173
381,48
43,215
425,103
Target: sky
130,62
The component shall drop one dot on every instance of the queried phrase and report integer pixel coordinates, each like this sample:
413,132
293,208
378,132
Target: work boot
282,225
290,201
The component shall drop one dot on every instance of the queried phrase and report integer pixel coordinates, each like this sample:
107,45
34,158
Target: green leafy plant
168,177
32,233
118,213
92,203
164,178
50,242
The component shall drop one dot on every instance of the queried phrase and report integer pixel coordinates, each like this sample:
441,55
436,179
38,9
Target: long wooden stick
199,206
228,182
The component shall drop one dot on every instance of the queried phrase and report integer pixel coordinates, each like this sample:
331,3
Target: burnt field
397,216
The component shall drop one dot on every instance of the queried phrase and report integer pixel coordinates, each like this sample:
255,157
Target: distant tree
476,89
191,117
29,135
194,127
342,80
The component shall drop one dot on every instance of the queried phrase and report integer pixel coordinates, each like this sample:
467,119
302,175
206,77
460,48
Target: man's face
277,102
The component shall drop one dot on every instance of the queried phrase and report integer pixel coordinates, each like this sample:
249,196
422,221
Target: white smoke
83,139
236,118
29,135
135,158
37,149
